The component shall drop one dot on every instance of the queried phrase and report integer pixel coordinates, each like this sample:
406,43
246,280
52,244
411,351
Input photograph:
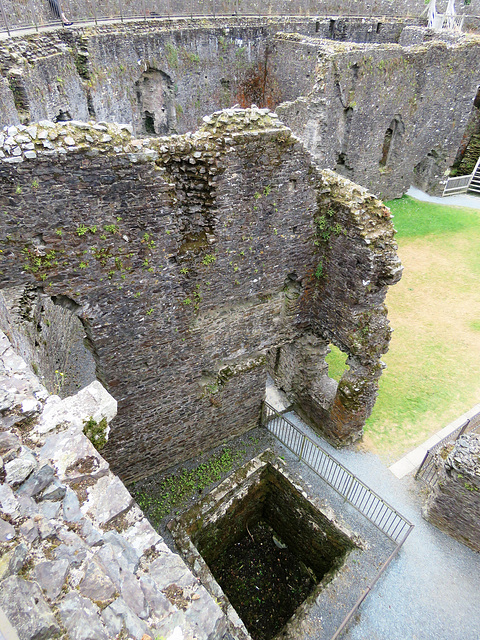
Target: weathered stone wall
469,150
19,13
384,116
49,336
8,113
192,258
347,310
453,504
105,73
175,71
203,70
76,553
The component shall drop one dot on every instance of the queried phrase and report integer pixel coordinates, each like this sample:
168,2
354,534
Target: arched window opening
391,141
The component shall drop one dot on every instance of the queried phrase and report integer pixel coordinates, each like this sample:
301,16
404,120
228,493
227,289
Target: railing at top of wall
351,488
447,21
40,13
28,14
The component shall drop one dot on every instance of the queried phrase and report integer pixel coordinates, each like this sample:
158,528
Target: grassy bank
433,365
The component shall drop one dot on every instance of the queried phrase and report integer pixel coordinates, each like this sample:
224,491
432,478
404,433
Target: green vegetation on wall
470,157
176,490
96,432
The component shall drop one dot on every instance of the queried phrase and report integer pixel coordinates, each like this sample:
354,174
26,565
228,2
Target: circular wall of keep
38,13
373,99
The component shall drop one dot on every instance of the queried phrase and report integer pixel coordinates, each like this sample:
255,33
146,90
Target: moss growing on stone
175,490
96,432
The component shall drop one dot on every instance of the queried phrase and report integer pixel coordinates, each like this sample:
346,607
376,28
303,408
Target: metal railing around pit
351,488
427,471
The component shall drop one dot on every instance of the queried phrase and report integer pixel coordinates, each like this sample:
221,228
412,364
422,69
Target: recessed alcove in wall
392,141
155,104
261,547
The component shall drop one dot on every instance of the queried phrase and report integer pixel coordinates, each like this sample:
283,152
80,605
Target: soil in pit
265,584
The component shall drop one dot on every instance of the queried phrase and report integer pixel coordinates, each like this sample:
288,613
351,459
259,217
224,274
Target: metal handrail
476,171
89,13
460,184
383,568
349,486
271,418
140,11
457,185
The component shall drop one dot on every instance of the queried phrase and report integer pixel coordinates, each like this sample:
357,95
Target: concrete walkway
464,200
431,590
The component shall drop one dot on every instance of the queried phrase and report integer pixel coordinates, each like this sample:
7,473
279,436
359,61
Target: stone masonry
40,12
196,264
194,67
169,272
385,116
383,102
453,503
78,559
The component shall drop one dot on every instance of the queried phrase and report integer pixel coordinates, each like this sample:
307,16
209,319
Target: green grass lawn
337,362
433,365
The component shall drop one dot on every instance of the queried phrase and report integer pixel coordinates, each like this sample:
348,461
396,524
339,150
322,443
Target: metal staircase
464,184
474,186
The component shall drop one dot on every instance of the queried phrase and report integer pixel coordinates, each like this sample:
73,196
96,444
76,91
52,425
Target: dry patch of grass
433,365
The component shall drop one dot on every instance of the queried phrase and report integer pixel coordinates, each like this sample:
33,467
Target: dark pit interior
268,548
264,583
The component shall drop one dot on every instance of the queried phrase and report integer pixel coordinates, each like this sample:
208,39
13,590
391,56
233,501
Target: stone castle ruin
196,263
218,235
203,262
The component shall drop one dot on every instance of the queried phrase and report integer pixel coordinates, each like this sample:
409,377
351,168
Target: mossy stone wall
189,259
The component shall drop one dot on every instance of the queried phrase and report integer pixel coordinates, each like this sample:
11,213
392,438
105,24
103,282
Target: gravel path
431,591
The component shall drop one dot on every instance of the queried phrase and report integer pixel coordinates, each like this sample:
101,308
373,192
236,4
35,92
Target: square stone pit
262,548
